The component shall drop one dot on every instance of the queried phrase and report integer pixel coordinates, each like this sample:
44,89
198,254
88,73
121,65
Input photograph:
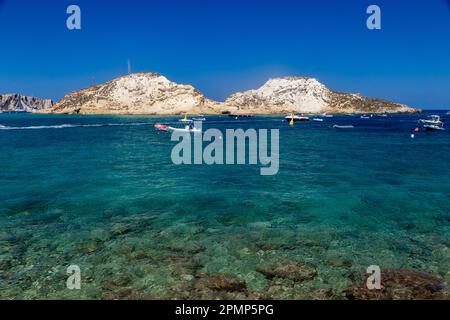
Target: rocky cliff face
17,102
140,93
282,95
306,95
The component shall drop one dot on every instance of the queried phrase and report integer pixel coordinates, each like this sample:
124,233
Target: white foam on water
64,126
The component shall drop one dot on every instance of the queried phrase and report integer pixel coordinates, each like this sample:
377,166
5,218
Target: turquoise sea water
102,193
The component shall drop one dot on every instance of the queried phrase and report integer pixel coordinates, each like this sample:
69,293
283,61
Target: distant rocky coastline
20,103
154,94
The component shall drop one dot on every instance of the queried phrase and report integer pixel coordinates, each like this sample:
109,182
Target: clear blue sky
223,46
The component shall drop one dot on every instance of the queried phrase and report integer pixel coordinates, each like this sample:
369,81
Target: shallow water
102,193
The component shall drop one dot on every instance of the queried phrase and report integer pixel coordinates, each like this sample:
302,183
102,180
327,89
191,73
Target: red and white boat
161,127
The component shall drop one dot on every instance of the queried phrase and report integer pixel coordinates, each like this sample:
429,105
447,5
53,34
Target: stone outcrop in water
152,93
291,270
20,103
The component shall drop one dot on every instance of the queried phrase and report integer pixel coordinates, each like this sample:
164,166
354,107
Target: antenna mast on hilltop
129,66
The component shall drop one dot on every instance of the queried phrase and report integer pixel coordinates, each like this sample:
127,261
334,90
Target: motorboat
187,129
198,119
318,119
432,127
296,118
365,117
327,115
434,120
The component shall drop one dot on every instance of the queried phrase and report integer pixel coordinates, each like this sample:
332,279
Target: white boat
342,127
431,127
327,115
365,117
198,119
185,119
434,120
187,129
296,118
318,119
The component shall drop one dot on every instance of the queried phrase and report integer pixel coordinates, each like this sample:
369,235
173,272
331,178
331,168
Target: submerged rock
91,247
400,285
336,262
220,282
139,255
292,270
182,266
220,287
119,281
284,289
7,262
119,229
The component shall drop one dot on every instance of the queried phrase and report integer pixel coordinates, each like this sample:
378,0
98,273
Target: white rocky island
153,94
139,93
306,95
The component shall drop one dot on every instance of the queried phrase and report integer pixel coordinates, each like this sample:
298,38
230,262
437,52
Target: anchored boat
434,123
431,127
296,118
434,119
187,129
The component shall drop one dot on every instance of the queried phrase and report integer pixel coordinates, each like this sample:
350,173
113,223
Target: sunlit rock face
307,95
140,93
